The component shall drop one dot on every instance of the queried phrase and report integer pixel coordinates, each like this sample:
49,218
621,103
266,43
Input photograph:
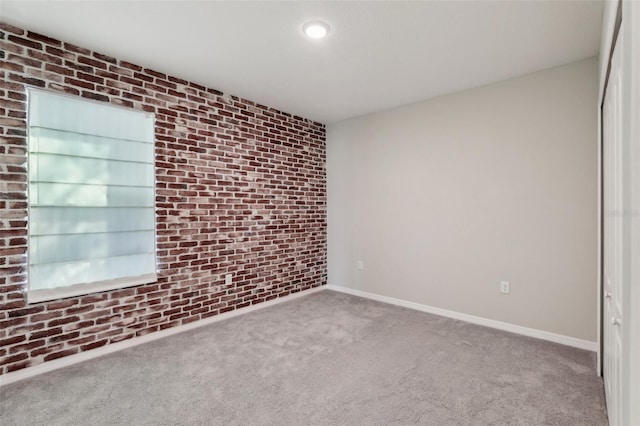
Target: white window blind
91,196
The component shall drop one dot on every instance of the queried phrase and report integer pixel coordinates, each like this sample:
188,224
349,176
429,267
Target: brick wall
241,189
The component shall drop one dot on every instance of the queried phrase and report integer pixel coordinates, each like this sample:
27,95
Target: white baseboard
114,347
505,326
125,344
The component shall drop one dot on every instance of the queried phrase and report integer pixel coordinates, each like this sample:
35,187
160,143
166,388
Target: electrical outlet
504,287
360,265
228,279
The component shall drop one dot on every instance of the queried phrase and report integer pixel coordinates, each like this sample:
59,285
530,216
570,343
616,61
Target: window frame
82,289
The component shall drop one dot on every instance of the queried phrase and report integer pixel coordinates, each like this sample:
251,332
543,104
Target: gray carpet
324,359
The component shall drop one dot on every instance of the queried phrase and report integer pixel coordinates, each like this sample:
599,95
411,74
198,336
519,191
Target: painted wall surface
240,189
444,199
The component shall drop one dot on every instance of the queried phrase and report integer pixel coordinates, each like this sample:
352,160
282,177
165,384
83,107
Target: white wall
445,198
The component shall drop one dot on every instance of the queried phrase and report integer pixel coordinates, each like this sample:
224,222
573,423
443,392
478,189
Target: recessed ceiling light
316,29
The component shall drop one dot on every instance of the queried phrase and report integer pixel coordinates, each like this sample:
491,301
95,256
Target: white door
613,236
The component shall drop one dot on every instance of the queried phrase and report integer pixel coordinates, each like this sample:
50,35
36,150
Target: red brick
64,337
60,354
81,341
89,77
129,65
46,333
59,52
94,345
11,29
31,81
43,39
96,96
79,83
121,337
78,325
24,329
110,333
45,350
25,42
66,89
46,58
27,346
25,311
64,320
62,304
11,341
12,305
97,314
79,310
76,49
123,293
105,58
147,289
14,358
18,366
94,298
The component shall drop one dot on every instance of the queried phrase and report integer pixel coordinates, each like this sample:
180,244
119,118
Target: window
91,197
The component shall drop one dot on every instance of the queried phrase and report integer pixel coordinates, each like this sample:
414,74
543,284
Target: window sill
46,294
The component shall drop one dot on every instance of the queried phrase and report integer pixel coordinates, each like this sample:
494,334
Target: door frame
614,12
631,12
612,18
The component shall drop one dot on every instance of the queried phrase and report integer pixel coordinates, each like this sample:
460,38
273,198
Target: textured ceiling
378,55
